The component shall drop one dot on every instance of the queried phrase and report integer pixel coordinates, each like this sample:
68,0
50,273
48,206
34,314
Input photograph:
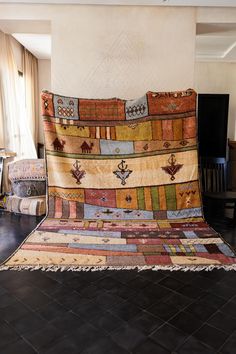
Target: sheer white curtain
15,134
30,75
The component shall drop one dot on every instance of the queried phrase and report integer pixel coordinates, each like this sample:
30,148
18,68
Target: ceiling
214,3
216,42
38,44
25,26
33,35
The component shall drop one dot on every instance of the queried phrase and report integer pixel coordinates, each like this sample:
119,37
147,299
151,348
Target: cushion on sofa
28,188
32,169
29,206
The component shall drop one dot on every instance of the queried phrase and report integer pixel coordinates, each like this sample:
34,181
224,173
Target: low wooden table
4,154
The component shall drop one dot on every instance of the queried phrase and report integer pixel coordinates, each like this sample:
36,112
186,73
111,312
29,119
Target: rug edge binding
183,268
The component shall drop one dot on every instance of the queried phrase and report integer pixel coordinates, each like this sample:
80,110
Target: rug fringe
183,268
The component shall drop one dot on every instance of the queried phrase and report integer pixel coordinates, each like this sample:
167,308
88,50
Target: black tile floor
115,312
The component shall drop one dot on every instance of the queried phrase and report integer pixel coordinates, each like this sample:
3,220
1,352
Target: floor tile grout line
192,335
189,335
234,332
20,338
204,322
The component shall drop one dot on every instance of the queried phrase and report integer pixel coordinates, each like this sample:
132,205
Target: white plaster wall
213,77
101,51
44,72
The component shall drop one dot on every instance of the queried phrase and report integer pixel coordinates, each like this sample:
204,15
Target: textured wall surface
122,51
102,51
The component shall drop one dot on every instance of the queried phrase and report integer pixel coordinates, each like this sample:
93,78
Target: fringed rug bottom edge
183,268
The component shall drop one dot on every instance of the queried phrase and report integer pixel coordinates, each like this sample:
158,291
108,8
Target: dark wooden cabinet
213,124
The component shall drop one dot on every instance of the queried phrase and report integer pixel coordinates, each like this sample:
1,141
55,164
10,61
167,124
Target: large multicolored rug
123,188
